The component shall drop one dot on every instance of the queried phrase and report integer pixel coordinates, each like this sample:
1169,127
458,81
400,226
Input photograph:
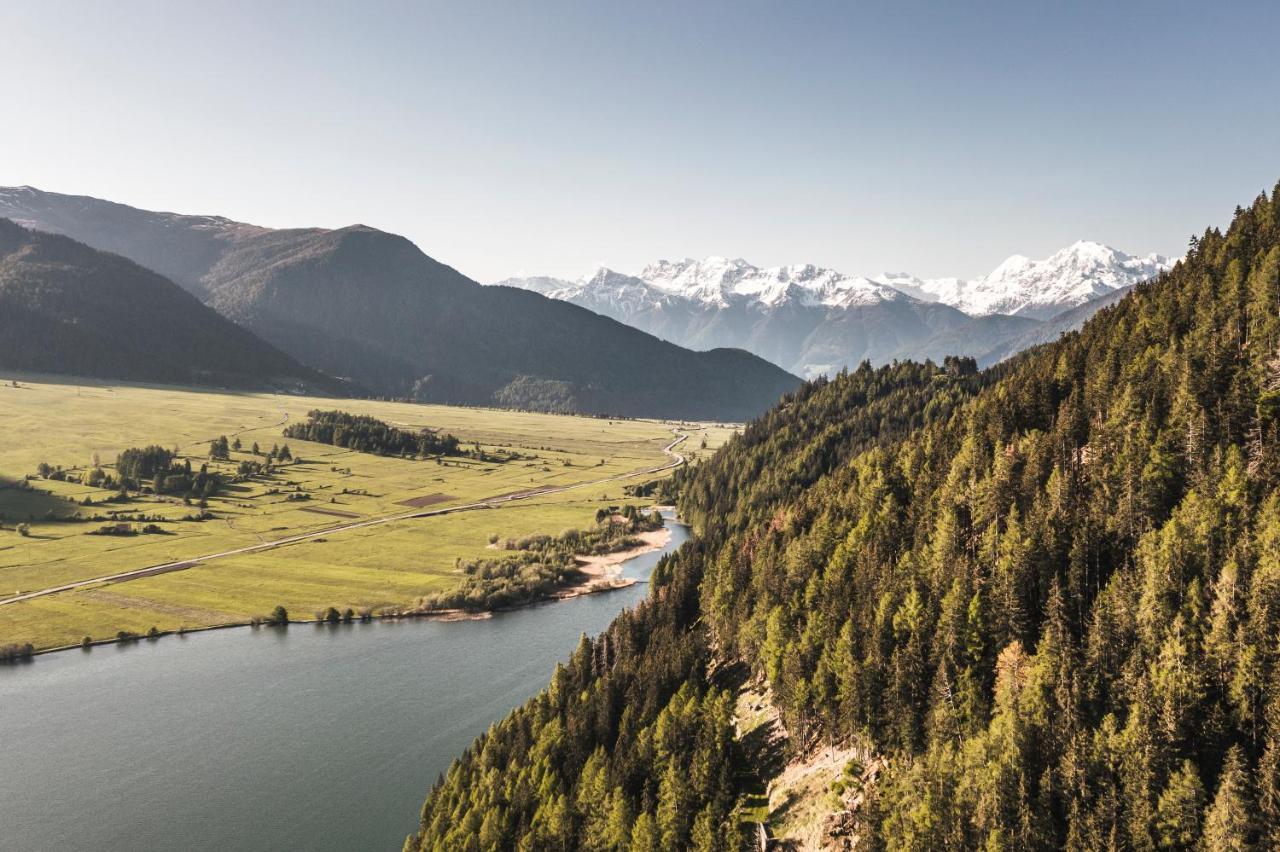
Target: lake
317,738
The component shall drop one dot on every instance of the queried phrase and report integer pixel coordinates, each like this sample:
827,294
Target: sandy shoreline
608,565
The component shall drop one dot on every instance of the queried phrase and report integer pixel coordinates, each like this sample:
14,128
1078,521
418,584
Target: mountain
812,320
69,309
1032,607
365,304
1039,289
1051,329
806,319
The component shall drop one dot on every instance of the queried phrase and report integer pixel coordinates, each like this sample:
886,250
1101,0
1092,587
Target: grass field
384,566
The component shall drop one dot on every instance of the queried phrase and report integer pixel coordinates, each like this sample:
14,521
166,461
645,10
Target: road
488,503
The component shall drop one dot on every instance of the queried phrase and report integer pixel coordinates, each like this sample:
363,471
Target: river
317,738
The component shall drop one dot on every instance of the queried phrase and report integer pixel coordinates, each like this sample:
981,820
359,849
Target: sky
549,137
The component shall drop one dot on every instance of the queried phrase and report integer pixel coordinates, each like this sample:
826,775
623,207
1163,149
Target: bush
14,653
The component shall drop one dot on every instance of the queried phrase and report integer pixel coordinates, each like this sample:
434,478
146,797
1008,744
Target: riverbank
601,574
608,566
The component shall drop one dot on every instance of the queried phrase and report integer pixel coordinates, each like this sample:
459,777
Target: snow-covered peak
544,284
932,290
720,282
1020,285
1078,273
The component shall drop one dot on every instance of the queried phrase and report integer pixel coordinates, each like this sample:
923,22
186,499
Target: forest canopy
1048,594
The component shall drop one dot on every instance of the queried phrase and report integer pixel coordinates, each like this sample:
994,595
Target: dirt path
487,503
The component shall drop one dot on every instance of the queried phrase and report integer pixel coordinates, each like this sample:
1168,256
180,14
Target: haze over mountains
370,306
66,308
813,320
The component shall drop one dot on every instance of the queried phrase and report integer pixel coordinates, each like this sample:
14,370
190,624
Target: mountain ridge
371,306
69,309
810,320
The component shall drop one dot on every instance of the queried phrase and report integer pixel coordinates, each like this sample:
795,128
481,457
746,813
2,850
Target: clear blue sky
546,137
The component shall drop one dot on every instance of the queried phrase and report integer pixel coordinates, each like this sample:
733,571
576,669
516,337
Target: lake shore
601,574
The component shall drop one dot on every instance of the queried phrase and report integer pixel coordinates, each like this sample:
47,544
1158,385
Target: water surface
317,738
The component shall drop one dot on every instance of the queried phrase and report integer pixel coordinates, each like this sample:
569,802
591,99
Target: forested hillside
1048,596
68,309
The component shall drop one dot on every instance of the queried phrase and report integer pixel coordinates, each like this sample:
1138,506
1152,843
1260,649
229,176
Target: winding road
488,503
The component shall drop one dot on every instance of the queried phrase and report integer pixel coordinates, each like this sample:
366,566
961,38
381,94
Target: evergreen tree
1179,808
1228,825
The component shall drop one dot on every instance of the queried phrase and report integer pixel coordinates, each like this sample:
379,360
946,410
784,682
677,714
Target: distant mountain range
66,308
371,307
812,320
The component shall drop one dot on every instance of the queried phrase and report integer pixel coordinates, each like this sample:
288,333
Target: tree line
366,434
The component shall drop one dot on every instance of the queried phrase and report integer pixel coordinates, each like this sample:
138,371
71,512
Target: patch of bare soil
426,500
337,513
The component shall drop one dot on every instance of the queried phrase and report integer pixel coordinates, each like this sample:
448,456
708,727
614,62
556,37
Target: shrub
14,653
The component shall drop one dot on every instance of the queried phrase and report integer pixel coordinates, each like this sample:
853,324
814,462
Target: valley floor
363,531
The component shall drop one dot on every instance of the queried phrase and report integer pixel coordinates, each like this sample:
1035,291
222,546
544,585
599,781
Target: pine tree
1179,808
1228,825
617,829
644,835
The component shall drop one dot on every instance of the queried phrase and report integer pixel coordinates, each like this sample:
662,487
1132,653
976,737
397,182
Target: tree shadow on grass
21,502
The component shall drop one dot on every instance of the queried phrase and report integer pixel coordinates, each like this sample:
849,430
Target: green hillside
1041,602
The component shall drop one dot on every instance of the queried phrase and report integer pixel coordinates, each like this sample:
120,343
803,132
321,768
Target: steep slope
181,248
369,305
71,310
1051,329
1044,597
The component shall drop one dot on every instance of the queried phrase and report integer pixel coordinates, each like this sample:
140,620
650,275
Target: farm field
383,566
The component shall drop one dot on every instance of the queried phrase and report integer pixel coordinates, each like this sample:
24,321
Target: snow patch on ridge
1020,285
1082,271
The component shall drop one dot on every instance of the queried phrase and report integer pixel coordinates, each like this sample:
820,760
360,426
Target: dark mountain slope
68,309
181,248
362,303
1048,593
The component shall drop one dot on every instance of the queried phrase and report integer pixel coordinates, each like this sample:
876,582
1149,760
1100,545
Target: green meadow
380,567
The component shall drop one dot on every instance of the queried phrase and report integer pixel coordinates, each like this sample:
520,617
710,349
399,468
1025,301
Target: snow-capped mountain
719,281
810,320
1039,289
